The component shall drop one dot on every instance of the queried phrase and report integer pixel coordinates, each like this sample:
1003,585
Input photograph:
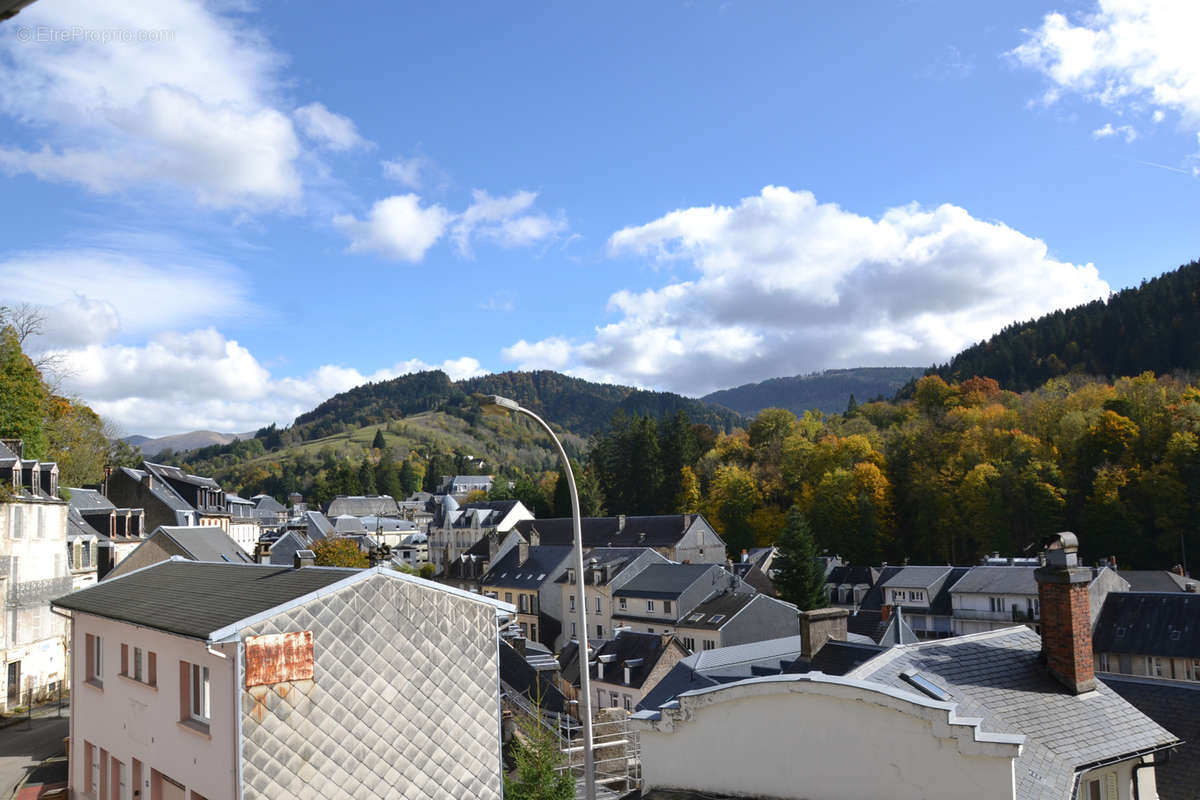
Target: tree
77,443
366,477
23,397
688,499
409,480
538,759
379,443
387,477
799,577
338,551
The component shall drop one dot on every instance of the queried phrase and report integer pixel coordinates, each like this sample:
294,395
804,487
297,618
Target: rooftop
667,580
543,563
1149,623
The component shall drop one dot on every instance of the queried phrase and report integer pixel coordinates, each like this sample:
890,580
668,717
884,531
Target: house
867,620
1175,705
412,551
846,585
82,548
245,527
252,681
168,495
1149,634
464,484
381,505
992,597
1155,580
1001,714
455,528
627,665
270,512
605,570
687,538
118,531
757,568
466,571
524,577
33,569
194,543
661,595
924,594
732,618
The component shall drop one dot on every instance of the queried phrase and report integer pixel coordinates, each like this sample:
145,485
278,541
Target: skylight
926,686
695,617
715,618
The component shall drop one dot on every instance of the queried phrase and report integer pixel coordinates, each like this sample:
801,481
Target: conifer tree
798,577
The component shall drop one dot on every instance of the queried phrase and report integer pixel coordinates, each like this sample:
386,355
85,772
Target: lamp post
585,696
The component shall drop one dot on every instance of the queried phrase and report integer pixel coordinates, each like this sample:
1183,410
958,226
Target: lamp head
495,404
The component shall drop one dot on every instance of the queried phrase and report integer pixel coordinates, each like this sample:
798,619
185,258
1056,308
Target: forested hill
1154,327
827,391
579,406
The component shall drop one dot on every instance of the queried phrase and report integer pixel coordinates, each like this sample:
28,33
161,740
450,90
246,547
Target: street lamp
490,402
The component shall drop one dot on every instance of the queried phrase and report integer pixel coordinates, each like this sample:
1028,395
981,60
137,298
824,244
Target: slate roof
615,559
1176,706
997,580
194,599
541,566
851,575
89,500
997,676
916,577
205,543
160,489
265,503
522,677
1149,623
361,506
166,471
283,550
657,531
627,646
1153,580
318,525
665,580
77,526
723,665
867,620
835,658
722,606
6,452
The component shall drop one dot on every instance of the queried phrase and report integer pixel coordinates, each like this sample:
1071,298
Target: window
600,631
598,608
524,604
120,790
622,603
1093,791
614,698
996,604
18,520
533,632
91,781
695,618
649,630
195,689
689,643
1103,662
649,605
709,644
716,618
628,703
573,633
508,597
95,659
572,602
1156,668
41,523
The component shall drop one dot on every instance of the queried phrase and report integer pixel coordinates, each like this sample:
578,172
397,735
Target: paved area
26,744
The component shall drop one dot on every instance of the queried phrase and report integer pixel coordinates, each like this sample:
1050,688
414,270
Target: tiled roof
657,531
1176,706
916,577
716,611
644,649
192,598
541,566
997,676
88,500
205,543
1149,623
997,580
1153,580
356,506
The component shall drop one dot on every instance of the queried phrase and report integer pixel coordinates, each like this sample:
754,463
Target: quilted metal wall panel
403,702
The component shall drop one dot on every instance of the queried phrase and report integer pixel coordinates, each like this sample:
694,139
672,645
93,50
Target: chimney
522,552
1190,586
745,556
620,522
305,558
819,626
1066,614
518,644
493,545
535,538
262,552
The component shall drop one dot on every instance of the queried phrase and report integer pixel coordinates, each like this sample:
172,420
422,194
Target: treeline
52,427
960,470
829,391
1154,327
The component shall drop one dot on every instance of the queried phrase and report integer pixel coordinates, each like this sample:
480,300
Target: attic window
926,686
715,618
542,577
1120,633
225,558
1175,635
695,617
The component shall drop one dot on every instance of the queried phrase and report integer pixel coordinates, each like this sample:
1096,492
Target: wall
244,533
700,544
791,738
125,492
1120,776
404,700
132,720
153,550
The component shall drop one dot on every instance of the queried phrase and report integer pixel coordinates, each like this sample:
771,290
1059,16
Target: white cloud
407,171
783,284
188,103
90,294
507,221
400,228
397,227
329,129
1127,132
201,380
1133,55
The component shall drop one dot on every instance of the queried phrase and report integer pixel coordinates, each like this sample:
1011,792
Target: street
27,744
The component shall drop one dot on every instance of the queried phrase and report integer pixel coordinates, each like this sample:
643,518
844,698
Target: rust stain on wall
279,657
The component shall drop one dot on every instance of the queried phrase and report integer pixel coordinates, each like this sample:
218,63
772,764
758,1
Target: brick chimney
1066,618
819,626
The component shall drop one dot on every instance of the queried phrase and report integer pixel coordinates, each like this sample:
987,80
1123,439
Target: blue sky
230,212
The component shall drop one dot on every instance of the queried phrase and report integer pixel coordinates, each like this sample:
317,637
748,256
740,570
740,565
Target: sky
230,211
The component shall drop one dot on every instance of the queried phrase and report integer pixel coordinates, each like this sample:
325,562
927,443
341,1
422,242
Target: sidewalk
42,711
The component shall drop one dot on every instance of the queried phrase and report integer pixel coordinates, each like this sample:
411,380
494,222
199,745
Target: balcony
1014,614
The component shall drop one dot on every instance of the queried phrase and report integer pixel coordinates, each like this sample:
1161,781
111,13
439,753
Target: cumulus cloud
1134,55
89,294
400,228
781,284
202,380
328,129
397,227
1125,131
409,172
186,101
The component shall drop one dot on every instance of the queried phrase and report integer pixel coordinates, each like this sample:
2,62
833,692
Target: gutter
1105,762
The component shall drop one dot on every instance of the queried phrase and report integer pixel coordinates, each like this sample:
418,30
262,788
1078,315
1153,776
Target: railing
1014,614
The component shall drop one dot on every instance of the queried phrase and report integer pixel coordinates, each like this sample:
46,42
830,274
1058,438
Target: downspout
1143,765
238,669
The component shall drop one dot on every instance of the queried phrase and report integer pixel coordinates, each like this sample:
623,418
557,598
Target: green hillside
827,391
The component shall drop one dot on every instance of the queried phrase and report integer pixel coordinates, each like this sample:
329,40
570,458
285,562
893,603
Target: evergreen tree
379,443
798,577
562,492
387,477
366,477
538,758
677,444
409,481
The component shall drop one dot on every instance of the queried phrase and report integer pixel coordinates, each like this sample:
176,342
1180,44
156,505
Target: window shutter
90,658
124,659
152,669
185,690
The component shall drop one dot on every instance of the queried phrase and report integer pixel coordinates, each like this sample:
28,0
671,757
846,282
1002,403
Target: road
27,744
